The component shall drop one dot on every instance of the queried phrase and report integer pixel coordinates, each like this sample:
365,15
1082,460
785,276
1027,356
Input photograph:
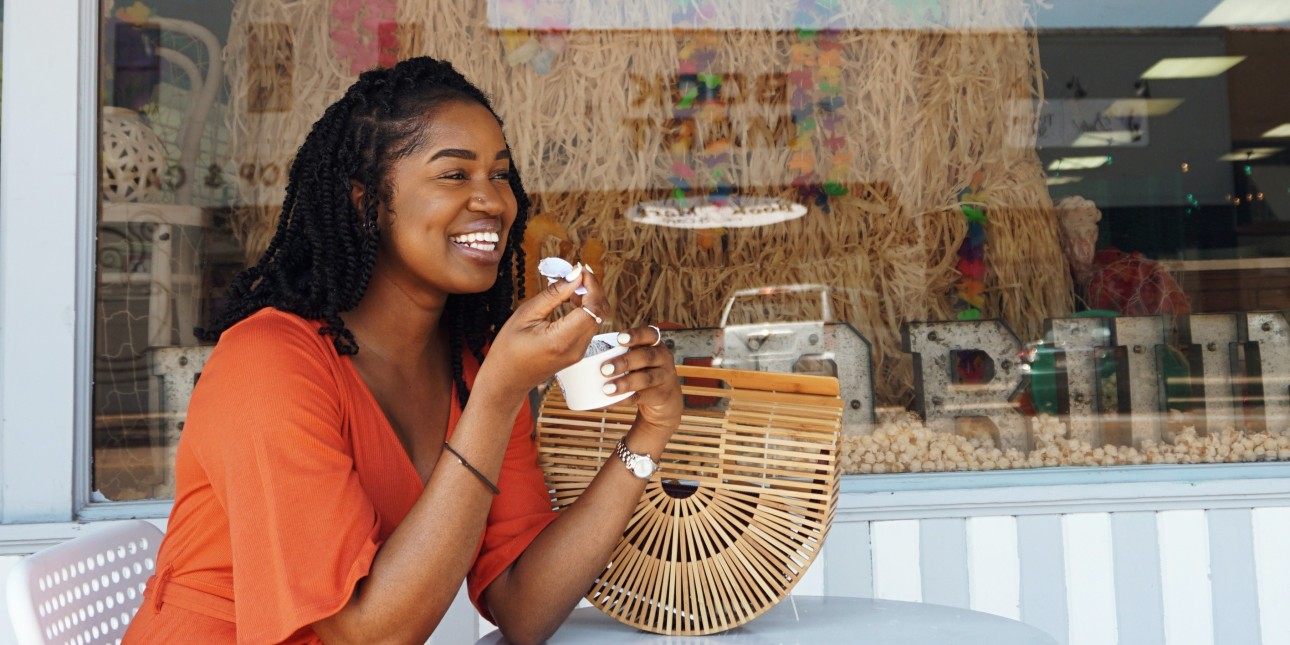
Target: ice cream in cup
583,384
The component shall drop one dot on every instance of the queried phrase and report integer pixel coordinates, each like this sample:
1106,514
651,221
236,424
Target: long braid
458,373
320,260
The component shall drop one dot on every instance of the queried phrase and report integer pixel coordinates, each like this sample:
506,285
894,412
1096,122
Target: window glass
1020,234
165,244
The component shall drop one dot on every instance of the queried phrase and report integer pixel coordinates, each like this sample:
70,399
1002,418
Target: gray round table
819,620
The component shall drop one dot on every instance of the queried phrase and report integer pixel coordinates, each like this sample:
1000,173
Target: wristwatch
639,465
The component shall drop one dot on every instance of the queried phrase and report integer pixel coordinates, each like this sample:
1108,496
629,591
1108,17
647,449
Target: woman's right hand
531,347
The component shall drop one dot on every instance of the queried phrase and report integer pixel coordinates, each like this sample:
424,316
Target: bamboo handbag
738,510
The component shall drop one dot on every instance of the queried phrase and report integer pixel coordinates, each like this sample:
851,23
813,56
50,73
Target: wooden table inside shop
815,620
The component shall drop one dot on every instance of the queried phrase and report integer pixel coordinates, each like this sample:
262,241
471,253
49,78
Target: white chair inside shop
135,169
86,590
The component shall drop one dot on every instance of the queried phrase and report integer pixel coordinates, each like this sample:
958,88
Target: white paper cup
582,382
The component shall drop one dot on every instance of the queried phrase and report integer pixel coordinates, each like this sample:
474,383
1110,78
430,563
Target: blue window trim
1064,476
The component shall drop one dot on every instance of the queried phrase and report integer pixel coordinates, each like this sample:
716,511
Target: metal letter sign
1268,363
1231,390
940,400
1211,341
1076,341
1140,377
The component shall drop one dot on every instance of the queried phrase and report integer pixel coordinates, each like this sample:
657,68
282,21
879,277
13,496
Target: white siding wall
1188,577
1174,577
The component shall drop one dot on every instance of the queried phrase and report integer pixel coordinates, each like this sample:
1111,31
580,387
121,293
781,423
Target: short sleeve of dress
267,422
519,512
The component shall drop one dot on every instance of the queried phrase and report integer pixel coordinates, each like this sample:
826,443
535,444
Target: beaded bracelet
462,460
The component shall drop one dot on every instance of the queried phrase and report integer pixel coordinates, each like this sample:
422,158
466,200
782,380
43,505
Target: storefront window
1021,235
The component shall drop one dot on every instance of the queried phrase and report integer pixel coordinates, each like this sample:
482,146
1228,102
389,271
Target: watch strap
633,460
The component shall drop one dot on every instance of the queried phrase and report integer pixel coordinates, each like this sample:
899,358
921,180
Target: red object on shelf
1134,285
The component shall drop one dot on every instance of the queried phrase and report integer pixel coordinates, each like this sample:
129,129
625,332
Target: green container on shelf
1043,370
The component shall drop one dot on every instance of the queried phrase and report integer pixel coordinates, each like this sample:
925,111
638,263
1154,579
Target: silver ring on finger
660,336
598,319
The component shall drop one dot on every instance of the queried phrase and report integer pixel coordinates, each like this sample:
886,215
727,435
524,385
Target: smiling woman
374,336
450,217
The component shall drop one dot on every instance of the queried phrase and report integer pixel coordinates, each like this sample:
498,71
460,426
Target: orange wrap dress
289,478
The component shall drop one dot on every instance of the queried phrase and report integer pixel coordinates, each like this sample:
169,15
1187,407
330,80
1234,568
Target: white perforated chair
84,591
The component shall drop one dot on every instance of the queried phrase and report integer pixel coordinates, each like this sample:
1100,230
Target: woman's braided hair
320,259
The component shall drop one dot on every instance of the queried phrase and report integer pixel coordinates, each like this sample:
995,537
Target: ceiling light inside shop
1250,154
1282,130
708,212
1124,108
1107,138
1079,163
1193,67
1246,12
1062,181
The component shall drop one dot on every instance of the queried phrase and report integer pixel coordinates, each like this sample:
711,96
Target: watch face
643,468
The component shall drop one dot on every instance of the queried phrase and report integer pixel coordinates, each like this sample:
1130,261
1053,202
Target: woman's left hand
648,369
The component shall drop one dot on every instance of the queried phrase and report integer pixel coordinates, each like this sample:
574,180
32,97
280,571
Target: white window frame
48,204
42,156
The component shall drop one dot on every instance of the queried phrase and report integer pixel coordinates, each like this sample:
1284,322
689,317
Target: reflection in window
1043,238
164,245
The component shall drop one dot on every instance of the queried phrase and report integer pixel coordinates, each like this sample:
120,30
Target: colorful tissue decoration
540,47
538,50
1130,284
816,102
970,291
365,33
700,161
971,265
701,156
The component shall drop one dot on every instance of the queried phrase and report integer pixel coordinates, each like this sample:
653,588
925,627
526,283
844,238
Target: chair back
743,499
205,86
86,590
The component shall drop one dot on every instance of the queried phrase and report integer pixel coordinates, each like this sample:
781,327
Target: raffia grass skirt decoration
764,471
924,108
